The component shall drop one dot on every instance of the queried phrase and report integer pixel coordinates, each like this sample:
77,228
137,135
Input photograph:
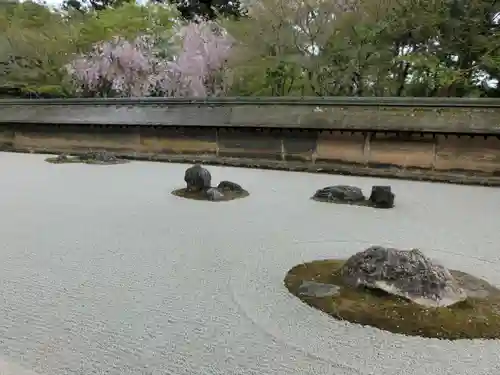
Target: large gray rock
340,193
197,178
408,274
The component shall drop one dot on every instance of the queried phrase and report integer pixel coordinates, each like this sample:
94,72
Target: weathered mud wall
424,142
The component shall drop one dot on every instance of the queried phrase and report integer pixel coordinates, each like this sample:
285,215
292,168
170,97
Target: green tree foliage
128,21
88,5
282,47
37,42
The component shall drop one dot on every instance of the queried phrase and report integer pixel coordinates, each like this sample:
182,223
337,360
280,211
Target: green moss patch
68,160
201,196
78,159
476,317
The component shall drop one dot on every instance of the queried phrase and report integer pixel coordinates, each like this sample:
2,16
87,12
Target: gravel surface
103,271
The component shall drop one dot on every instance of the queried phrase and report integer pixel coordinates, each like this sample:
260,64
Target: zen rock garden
400,291
91,157
380,197
199,186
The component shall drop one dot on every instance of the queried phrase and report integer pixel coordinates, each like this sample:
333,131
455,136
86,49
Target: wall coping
426,115
265,101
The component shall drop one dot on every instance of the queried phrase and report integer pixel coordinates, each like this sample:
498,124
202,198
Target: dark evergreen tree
208,9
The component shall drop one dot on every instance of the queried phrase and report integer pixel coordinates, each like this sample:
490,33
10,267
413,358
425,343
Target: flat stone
474,286
340,193
214,194
314,289
230,186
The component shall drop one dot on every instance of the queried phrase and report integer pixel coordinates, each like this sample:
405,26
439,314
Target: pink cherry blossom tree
114,68
198,68
138,68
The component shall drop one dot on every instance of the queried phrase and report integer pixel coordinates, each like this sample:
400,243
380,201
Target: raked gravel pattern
103,271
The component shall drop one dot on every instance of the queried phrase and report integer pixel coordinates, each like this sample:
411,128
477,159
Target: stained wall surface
423,142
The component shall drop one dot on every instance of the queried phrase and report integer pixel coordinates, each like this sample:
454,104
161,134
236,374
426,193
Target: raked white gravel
103,271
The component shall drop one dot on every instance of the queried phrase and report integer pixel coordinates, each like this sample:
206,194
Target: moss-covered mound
99,158
63,159
201,195
476,317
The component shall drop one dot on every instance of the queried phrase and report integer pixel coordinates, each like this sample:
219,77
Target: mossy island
401,292
91,157
199,187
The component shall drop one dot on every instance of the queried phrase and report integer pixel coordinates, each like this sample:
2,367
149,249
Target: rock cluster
199,180
91,157
407,274
381,196
99,157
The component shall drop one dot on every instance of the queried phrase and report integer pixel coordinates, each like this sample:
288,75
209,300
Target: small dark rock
340,193
214,194
62,158
230,186
197,178
382,197
315,289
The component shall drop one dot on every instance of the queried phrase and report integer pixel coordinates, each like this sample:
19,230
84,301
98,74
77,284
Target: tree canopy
270,47
208,9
